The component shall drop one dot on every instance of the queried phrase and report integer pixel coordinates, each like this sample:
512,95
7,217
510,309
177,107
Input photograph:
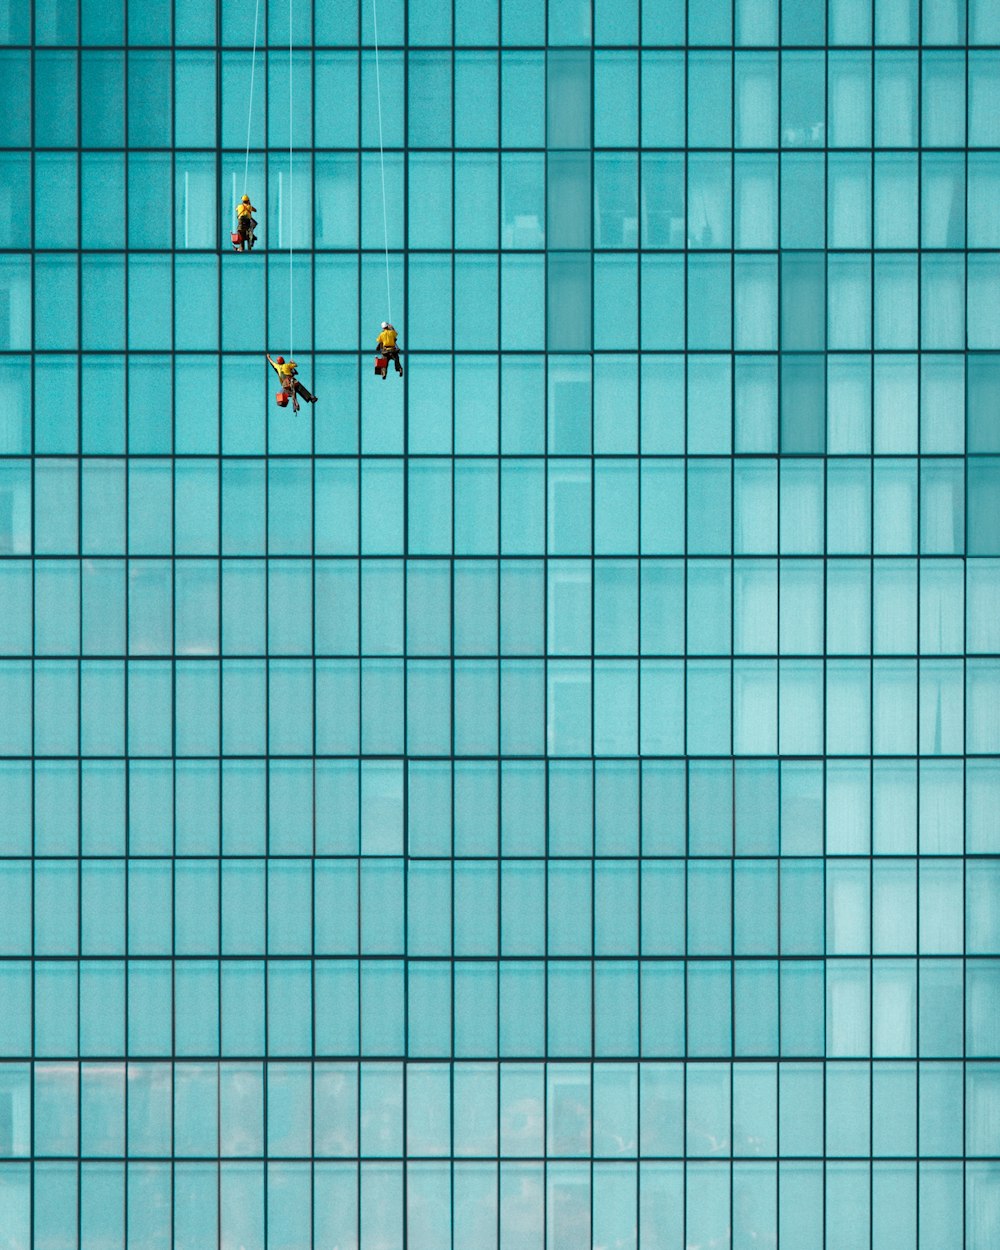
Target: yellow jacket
285,371
244,210
387,338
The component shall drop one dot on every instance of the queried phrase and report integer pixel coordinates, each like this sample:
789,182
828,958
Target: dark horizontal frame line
460,458
448,1160
911,458
492,557
644,253
537,353
359,1059
637,960
498,757
275,152
401,252
458,1061
595,1059
457,49
460,558
441,658
676,457
599,558
411,857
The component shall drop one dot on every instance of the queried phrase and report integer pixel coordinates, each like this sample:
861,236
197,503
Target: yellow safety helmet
246,199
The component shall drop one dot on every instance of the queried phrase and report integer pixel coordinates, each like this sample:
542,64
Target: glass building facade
552,800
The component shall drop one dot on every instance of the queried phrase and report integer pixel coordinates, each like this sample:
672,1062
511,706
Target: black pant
392,353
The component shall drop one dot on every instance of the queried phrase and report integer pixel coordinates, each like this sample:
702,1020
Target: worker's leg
310,399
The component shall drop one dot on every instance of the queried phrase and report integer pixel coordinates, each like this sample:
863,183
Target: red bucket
281,399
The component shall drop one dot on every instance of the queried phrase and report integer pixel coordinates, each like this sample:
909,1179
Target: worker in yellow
243,236
287,371
388,349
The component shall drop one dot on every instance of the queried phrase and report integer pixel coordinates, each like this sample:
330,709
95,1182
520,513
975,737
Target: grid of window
552,799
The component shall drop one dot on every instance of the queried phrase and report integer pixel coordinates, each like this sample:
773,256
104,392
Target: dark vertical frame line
265,462
406,463
33,445
80,637
173,628
965,743
733,462
684,1066
127,562
360,1034
311,235
220,622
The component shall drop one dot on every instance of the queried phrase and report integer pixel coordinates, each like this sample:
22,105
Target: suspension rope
381,157
253,67
291,285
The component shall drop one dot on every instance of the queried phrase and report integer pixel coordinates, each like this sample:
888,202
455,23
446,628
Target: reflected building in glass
550,800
